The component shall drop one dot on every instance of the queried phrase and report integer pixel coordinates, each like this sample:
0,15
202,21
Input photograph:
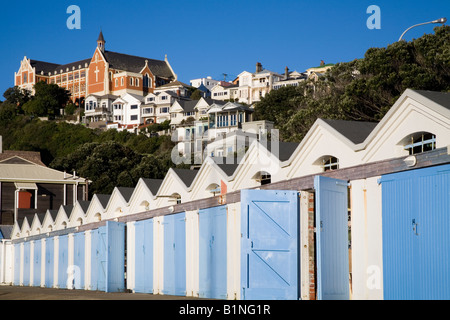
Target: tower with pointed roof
101,42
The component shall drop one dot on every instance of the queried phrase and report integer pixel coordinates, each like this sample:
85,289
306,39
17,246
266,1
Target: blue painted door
63,260
111,257
102,249
144,256
332,238
16,280
78,260
416,241
49,258
95,265
174,254
37,263
213,253
26,263
269,245
115,257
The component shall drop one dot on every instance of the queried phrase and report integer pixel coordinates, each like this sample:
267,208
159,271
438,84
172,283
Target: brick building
104,73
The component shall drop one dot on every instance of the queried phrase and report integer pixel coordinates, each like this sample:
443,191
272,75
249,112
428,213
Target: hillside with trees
364,89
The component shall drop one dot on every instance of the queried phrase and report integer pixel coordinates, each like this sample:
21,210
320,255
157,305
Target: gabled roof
131,63
153,184
175,83
186,175
188,105
104,199
11,156
441,98
126,192
43,66
355,131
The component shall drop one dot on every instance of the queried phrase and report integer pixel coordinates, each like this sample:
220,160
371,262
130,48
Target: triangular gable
143,196
36,225
16,160
49,220
78,214
97,207
412,112
62,218
171,184
258,158
208,174
25,229
118,203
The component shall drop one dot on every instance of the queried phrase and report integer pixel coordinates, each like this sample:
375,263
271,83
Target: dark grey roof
355,131
84,205
5,231
75,64
40,217
53,214
68,209
218,102
188,105
285,149
229,169
126,192
43,66
186,175
442,98
153,184
131,63
103,198
100,37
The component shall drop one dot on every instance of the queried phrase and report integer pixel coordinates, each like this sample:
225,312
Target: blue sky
208,37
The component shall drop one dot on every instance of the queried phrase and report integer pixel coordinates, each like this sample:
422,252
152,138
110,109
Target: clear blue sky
208,37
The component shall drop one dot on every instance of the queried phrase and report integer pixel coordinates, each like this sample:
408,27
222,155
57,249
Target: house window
147,111
121,81
164,110
131,81
330,163
134,106
150,99
70,76
421,143
137,82
117,82
25,78
164,98
133,117
83,74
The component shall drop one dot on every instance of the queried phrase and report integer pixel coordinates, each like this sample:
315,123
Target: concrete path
35,293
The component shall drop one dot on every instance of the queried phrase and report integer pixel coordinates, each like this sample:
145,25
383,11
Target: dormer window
421,142
330,163
327,163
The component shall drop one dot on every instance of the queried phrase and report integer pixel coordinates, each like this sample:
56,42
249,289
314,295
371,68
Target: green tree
48,100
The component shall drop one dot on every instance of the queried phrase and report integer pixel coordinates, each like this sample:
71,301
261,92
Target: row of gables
413,112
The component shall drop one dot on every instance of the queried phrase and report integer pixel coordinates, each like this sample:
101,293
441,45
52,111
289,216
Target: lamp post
441,20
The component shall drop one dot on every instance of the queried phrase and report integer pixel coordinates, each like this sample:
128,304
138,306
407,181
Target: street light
441,20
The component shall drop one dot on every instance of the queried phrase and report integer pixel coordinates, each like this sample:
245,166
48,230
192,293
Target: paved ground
36,293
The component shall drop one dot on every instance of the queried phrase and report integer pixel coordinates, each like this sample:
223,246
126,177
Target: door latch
415,227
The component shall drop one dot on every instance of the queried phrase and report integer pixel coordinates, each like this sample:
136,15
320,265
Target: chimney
286,72
258,67
322,63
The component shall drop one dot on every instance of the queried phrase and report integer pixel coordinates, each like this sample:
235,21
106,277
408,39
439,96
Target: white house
127,111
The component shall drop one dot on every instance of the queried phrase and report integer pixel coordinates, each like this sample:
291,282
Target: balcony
97,111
